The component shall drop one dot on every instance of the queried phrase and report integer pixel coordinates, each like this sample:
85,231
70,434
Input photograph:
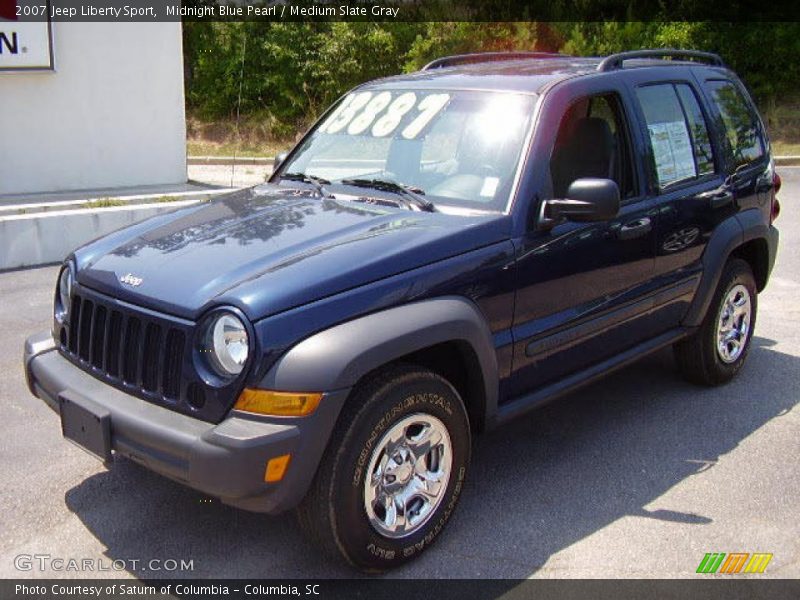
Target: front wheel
716,352
393,472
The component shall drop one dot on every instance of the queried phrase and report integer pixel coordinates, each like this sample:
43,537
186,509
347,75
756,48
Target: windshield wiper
411,195
319,183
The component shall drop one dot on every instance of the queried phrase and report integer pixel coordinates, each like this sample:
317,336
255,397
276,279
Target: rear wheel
393,472
716,352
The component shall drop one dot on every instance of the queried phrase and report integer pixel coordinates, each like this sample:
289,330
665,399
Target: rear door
686,175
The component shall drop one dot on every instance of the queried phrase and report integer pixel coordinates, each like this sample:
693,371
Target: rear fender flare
727,236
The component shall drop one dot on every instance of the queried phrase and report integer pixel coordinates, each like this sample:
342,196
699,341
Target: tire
699,358
404,401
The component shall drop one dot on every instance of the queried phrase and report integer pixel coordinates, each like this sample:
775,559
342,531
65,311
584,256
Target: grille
126,347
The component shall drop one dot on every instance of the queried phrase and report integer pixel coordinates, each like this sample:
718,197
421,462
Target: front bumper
227,460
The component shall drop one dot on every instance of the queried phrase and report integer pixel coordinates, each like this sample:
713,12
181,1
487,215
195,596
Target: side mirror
588,199
279,158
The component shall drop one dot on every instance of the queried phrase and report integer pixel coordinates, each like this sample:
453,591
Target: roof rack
482,57
615,61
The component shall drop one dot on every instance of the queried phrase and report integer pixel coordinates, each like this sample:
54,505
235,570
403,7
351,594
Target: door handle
718,198
635,229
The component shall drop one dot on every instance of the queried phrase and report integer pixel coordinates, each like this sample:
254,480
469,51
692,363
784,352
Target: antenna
239,106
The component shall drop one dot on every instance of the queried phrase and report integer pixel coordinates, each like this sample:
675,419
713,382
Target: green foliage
447,38
284,74
763,54
288,72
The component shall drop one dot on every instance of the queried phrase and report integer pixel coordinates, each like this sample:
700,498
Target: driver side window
592,141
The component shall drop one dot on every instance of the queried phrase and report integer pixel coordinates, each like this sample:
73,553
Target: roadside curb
787,161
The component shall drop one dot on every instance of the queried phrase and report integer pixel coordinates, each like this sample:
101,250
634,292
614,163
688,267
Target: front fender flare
339,357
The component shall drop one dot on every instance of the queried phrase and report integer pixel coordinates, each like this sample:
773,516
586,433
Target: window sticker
380,115
489,186
672,150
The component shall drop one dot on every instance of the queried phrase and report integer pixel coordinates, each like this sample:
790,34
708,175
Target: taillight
775,209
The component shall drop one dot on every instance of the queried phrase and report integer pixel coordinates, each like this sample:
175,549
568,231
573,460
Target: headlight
64,291
227,344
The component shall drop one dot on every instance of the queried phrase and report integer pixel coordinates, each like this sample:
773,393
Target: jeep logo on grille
131,279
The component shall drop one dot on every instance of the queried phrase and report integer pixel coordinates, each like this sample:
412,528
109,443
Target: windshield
455,147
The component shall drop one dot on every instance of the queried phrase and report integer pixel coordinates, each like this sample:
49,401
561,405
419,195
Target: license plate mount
86,424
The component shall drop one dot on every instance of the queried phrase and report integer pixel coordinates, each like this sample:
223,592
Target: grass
108,202
221,138
782,148
252,138
198,147
163,199
104,203
783,122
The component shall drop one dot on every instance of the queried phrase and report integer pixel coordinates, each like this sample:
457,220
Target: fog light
279,404
276,468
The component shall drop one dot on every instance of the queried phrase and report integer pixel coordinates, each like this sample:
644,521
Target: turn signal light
276,468
279,404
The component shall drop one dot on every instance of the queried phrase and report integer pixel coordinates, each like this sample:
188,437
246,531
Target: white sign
672,150
379,115
25,45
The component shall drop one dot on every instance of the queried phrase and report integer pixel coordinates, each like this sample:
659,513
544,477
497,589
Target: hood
266,249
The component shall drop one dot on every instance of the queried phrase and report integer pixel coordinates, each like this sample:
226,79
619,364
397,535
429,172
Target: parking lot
638,475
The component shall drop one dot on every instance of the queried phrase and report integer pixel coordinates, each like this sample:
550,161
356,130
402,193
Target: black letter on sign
12,45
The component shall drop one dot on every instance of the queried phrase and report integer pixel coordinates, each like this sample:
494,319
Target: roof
524,75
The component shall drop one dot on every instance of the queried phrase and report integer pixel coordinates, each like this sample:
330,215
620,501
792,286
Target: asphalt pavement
638,475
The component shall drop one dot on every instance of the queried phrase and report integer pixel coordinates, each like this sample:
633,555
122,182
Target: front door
584,288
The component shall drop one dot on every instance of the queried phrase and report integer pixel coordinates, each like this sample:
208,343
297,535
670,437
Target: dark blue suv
441,253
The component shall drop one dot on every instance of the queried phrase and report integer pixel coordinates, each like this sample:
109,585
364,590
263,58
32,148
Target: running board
565,385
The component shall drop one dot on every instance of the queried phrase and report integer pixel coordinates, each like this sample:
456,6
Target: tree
285,73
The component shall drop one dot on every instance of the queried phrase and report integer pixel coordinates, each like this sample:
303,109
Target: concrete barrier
48,237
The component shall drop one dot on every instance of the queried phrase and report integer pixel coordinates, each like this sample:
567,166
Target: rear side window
698,129
678,133
738,121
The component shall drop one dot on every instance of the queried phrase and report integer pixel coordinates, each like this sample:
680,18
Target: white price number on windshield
358,112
